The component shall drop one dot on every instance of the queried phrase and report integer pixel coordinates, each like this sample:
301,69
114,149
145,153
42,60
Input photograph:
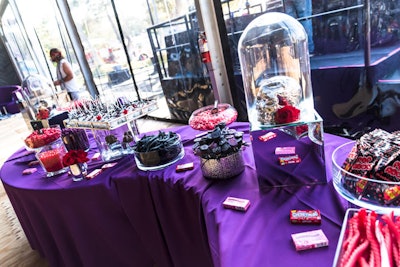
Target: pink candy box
287,150
236,203
309,240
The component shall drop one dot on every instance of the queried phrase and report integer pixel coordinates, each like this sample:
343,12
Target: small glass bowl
369,193
204,119
51,156
158,159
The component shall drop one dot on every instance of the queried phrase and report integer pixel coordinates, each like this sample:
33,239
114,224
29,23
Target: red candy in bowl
206,118
42,137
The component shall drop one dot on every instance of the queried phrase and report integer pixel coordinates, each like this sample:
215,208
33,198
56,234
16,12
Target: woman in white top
65,75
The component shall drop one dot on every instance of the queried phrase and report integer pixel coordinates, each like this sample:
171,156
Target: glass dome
275,65
37,92
38,86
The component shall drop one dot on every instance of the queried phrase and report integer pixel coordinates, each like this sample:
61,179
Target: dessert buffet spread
367,171
113,125
94,114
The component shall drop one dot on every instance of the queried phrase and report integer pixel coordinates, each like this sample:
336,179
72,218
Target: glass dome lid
275,65
273,27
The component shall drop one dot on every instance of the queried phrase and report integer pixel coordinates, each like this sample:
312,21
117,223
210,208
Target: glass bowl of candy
155,152
368,237
206,118
50,157
42,137
366,172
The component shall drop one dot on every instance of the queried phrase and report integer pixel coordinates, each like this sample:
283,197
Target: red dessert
42,137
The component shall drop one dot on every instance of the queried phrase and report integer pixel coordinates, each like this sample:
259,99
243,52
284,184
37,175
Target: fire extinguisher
203,46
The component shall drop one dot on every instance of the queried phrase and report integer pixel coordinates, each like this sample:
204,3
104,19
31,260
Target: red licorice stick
350,233
368,235
395,251
375,255
352,240
357,253
363,262
395,235
362,224
388,242
371,259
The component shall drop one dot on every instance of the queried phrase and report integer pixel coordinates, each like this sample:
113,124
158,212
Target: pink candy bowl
204,119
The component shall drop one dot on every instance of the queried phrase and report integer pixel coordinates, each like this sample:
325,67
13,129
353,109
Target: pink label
287,150
267,136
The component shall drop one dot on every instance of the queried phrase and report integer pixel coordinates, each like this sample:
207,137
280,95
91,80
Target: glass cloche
275,65
274,59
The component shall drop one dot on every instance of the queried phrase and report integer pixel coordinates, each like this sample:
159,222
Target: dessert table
129,217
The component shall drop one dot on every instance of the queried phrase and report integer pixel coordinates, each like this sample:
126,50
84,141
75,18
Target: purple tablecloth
188,210
169,206
72,223
128,217
262,235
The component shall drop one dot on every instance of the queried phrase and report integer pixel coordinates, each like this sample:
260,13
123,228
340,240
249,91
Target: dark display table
128,217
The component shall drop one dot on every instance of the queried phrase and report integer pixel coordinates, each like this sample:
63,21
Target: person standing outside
65,75
302,9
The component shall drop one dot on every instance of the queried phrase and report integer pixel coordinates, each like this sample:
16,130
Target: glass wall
17,43
147,48
117,47
102,43
113,35
354,57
